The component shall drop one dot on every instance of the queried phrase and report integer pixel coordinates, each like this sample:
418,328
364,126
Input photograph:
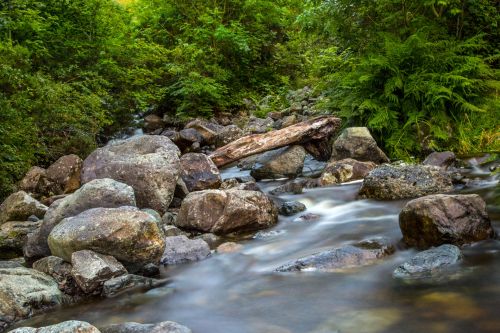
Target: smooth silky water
239,293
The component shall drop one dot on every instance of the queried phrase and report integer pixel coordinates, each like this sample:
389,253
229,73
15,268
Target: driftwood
311,130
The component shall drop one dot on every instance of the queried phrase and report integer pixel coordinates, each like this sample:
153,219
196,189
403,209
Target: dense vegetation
421,74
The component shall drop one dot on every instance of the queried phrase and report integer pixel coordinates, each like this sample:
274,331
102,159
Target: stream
240,293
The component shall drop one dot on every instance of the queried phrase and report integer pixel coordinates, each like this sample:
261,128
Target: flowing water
239,293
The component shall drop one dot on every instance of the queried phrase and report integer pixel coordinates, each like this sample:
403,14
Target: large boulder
345,170
65,174
222,212
199,172
130,235
286,162
358,143
180,249
149,163
13,236
392,182
163,327
349,256
91,269
25,292
430,263
20,206
105,193
445,219
72,326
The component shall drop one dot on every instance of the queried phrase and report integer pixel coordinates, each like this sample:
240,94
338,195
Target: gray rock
128,234
289,208
153,213
13,236
295,186
149,163
90,269
212,240
199,172
105,193
345,170
357,143
20,206
163,327
223,212
25,292
208,130
391,182
60,270
125,282
228,134
71,326
440,159
445,219
348,256
286,162
180,249
429,263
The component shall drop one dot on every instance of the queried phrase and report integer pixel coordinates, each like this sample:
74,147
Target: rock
309,217
170,230
199,172
229,247
126,282
211,239
153,213
345,170
429,263
149,163
391,182
289,121
286,162
153,122
258,125
128,234
206,129
289,208
357,143
91,269
60,271
65,173
25,292
445,219
20,206
13,237
440,159
105,193
295,186
247,163
348,256
228,134
180,249
30,182
223,212
163,327
189,136
312,167
72,326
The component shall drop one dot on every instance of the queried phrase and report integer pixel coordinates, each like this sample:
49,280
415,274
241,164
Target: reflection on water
239,292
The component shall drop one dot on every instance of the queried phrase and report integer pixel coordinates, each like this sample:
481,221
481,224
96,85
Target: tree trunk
311,130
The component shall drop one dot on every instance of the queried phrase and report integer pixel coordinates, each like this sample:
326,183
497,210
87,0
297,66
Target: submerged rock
20,206
445,219
429,263
391,182
223,212
129,281
72,326
25,292
128,234
91,269
98,193
357,143
163,327
284,162
180,249
199,172
296,186
345,170
149,163
229,247
348,256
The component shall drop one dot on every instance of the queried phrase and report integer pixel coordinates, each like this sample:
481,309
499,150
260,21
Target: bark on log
314,129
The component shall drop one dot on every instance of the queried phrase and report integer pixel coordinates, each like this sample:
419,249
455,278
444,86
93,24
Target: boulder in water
289,208
284,162
149,163
445,219
180,249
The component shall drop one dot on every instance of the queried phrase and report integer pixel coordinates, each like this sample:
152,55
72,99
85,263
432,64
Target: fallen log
311,130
